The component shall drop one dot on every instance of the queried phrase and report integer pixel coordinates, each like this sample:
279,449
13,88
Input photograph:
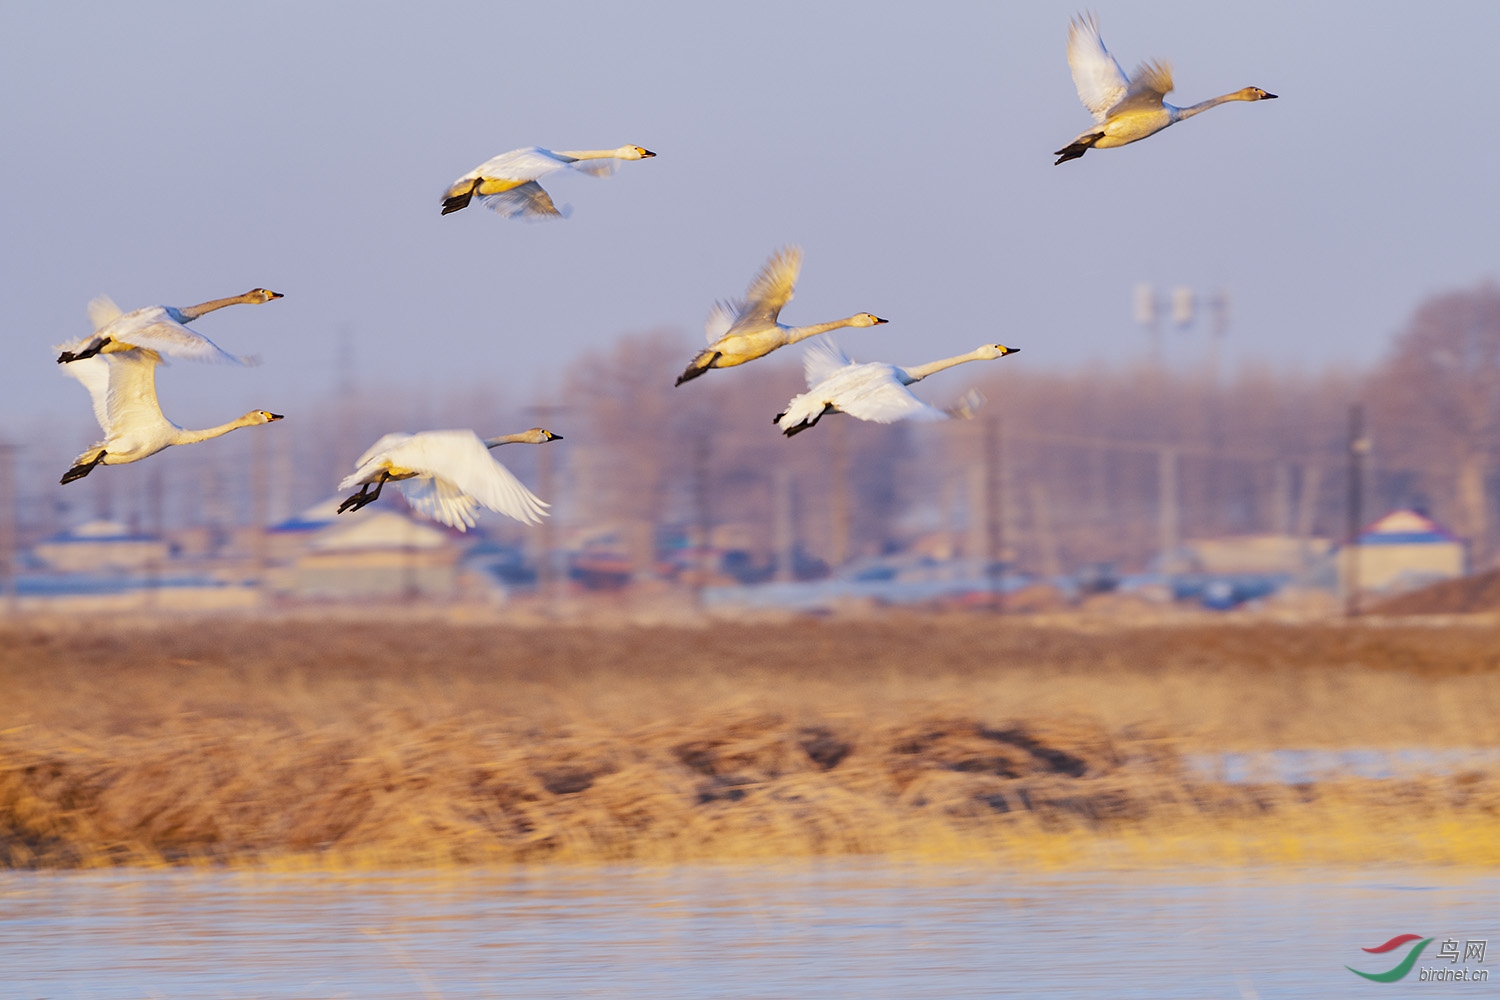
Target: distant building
375,554
287,539
1402,550
101,547
1254,553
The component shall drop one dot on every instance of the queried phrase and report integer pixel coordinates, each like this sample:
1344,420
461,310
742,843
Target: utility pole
783,531
1218,328
8,525
703,450
548,579
1359,448
839,496
1041,519
156,529
345,430
1167,526
977,543
1148,317
1307,507
994,477
1281,499
258,542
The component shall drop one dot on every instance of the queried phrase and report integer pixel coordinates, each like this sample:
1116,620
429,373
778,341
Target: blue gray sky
174,152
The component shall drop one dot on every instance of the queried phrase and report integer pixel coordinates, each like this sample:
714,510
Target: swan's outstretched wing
965,406
772,288
875,393
529,164
721,316
93,372
103,311
441,501
153,329
594,168
131,402
1151,83
461,459
1100,81
121,385
529,201
822,360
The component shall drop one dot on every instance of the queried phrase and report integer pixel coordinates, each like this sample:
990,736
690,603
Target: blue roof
1406,526
1407,538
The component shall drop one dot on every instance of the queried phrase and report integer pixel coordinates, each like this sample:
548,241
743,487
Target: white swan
1125,109
159,328
447,475
508,183
871,391
123,386
743,331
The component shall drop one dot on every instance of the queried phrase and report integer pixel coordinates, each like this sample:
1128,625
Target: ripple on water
841,928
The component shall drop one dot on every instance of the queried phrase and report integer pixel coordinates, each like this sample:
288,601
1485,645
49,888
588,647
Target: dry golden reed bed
398,744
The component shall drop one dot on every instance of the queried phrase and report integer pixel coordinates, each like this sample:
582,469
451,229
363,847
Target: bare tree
1436,402
637,454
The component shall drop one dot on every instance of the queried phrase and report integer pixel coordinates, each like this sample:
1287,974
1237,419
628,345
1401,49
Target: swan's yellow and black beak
879,321
1008,350
275,295
646,154
274,416
1265,96
553,437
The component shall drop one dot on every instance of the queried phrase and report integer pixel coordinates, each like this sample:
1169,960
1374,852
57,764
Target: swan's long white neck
590,154
796,333
496,442
1178,114
187,314
183,436
917,373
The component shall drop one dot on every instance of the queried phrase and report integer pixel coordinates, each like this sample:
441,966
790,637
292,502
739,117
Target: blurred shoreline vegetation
307,743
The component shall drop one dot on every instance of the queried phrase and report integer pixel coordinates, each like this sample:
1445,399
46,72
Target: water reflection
834,929
1295,767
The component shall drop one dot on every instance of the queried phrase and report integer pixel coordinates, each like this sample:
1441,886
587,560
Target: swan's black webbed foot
1077,148
364,496
695,369
82,468
87,352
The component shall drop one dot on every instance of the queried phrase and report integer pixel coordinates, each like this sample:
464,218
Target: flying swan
871,391
743,331
158,328
1125,109
508,184
122,384
447,475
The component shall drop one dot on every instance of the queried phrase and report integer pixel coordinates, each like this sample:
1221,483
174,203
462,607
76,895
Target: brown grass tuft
354,745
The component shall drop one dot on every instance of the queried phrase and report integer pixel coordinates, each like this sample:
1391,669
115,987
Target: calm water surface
855,928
